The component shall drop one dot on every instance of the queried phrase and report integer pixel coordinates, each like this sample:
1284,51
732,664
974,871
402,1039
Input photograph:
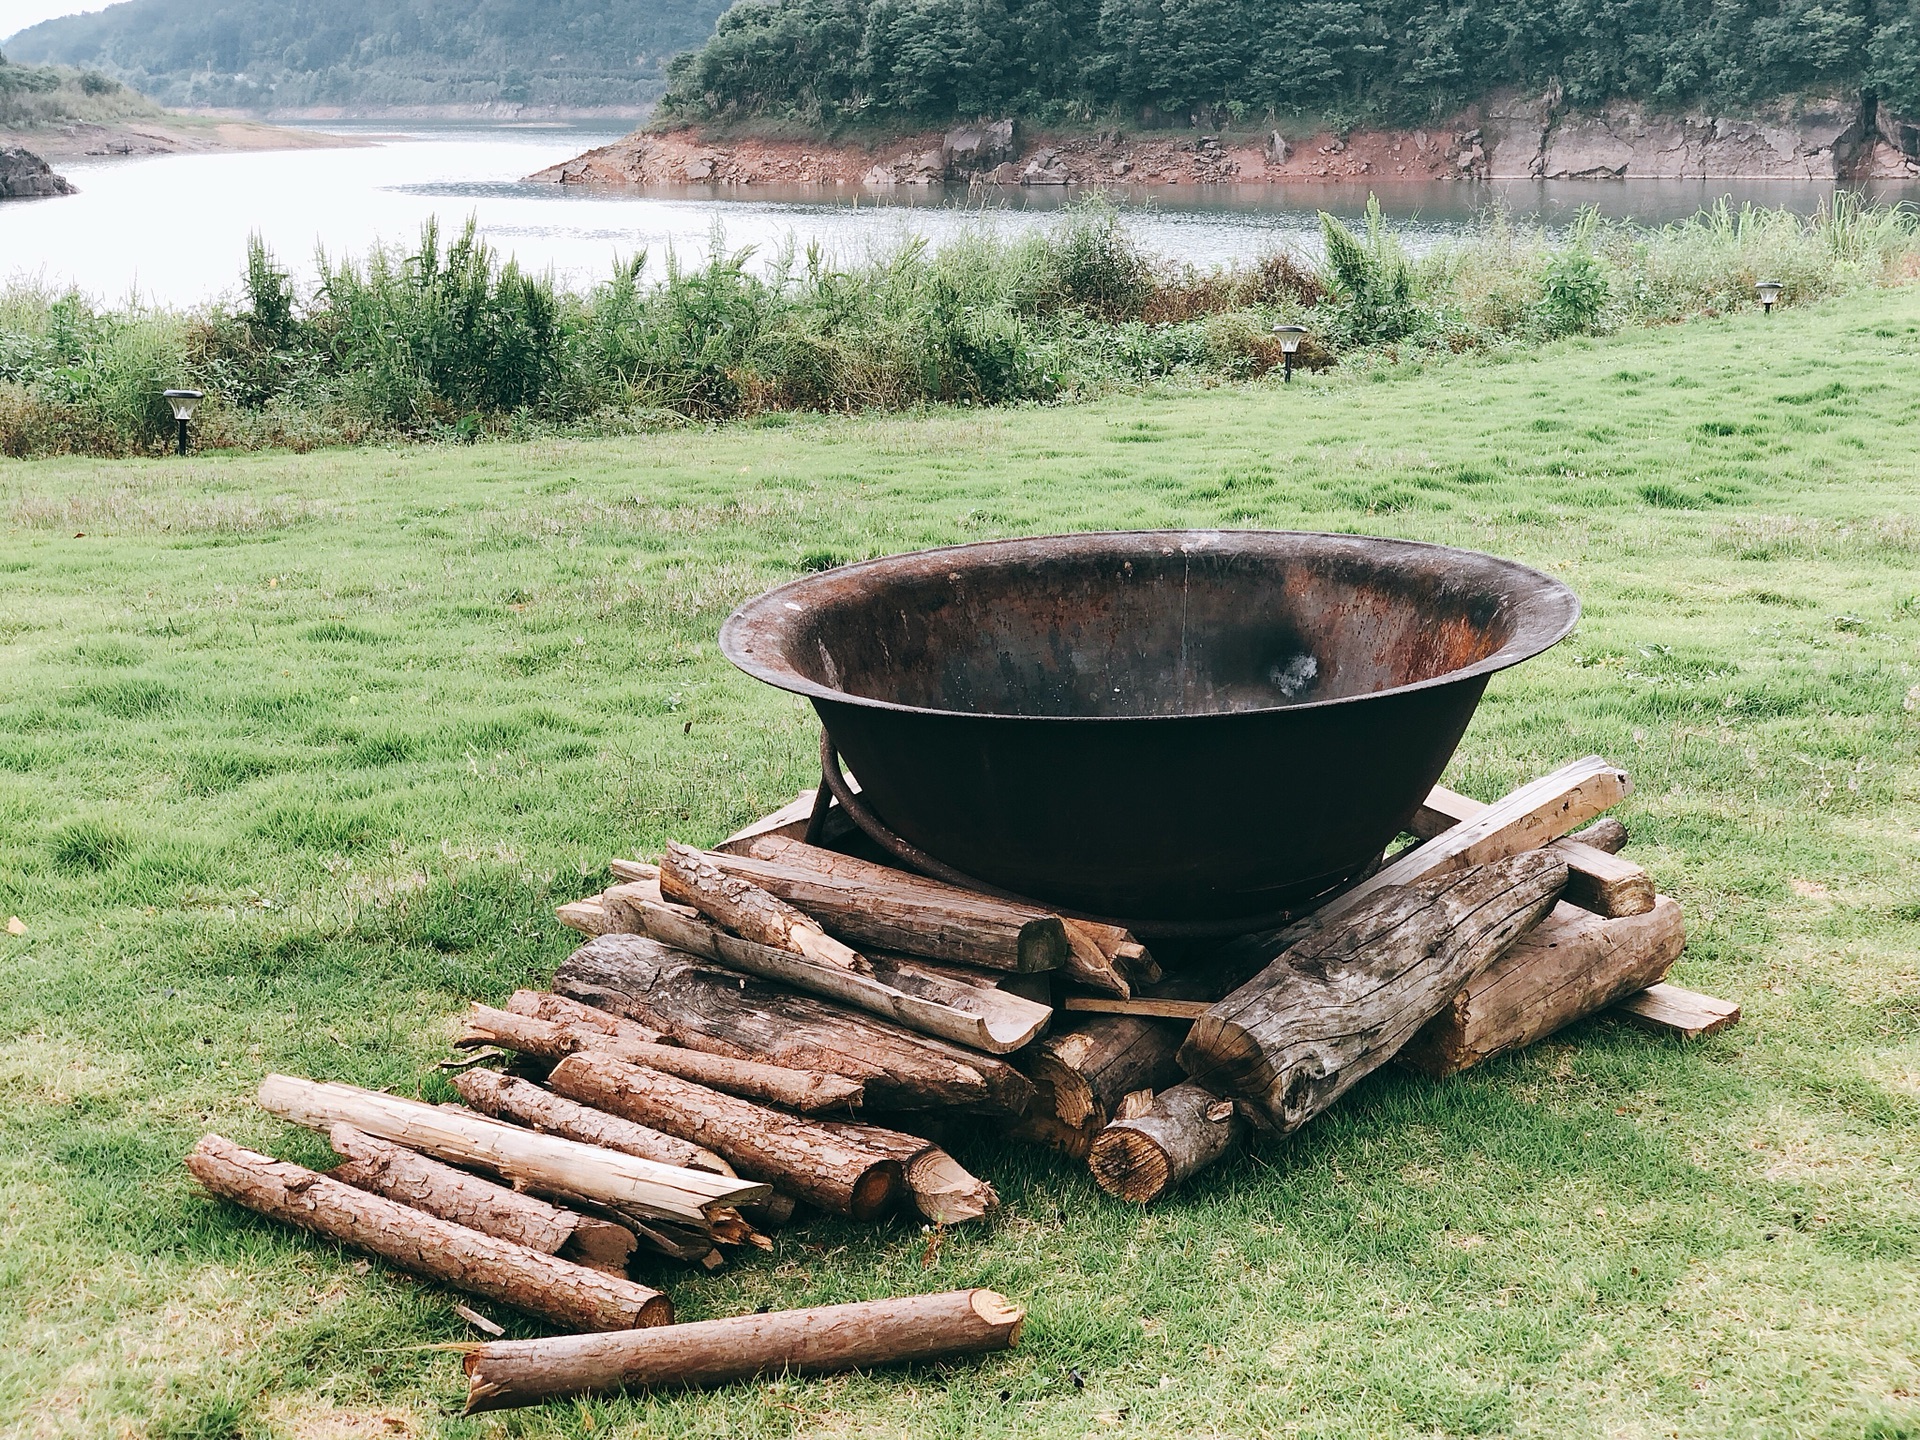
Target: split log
1083,1071
622,903
1597,878
898,989
506,1373
1340,1004
1036,986
1144,1006
1685,1013
1123,952
1568,966
808,1091
588,916
892,909
527,1104
559,1010
694,878
1089,965
425,1184
804,1159
542,1162
723,1012
944,1191
544,1285
1142,1157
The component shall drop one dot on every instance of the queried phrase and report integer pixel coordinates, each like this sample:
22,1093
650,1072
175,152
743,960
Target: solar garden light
183,402
1290,338
1769,291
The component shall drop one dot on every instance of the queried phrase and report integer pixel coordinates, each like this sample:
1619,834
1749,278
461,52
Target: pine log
1674,1011
1142,1157
705,1007
525,1103
542,1162
588,916
544,1285
1597,879
622,903
896,989
506,1373
559,1010
890,909
804,1159
943,1190
399,1174
1340,1004
695,878
808,1091
1568,966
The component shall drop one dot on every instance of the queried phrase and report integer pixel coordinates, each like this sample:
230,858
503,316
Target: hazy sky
18,14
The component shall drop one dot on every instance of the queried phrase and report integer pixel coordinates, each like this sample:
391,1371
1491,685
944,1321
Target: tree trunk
527,1104
386,1169
544,1285
722,1012
542,1162
1597,879
1339,1005
804,1159
808,1091
506,1373
1568,966
695,878
943,1190
1185,1129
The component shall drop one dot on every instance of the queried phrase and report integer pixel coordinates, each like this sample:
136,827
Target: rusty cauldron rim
1547,612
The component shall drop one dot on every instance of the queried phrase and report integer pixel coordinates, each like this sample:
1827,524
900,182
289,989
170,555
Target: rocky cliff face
25,176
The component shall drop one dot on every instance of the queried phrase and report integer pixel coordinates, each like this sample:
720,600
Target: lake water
173,229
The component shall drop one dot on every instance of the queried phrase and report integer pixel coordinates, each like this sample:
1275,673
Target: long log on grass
706,1007
558,1290
804,1159
1337,1006
1597,878
510,1098
944,1191
694,878
808,1091
541,1162
897,989
505,1373
1143,1157
1568,966
379,1166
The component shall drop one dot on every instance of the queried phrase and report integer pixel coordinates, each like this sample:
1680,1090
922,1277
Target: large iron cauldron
1163,726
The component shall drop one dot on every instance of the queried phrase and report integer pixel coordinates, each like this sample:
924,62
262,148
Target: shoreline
173,133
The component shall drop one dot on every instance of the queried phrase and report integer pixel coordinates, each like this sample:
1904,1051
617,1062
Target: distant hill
376,54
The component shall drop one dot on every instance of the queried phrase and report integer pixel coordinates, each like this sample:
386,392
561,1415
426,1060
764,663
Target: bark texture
943,1189
524,1103
1144,1156
696,878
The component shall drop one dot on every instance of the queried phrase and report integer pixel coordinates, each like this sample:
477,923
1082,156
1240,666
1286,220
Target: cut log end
875,1190
997,1310
1130,1165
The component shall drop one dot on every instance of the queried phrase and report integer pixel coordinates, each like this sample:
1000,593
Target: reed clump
448,341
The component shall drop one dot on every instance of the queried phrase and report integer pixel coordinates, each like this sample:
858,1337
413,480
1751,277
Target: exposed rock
25,176
1045,169
977,147
1529,139
1277,149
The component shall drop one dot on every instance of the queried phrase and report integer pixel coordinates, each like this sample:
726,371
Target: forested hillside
35,96
284,54
1345,61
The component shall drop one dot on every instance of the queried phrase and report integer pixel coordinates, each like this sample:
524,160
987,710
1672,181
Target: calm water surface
173,229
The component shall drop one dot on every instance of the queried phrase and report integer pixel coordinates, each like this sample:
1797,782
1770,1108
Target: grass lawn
298,753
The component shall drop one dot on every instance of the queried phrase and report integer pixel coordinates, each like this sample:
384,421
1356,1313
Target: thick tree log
890,909
559,1010
943,1190
1085,1069
1597,879
804,1159
1568,966
1185,1129
527,1104
694,878
545,1285
399,1174
1340,1004
542,1162
808,1091
505,1373
897,989
705,1007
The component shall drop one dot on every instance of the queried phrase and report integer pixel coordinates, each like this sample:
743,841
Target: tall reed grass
448,341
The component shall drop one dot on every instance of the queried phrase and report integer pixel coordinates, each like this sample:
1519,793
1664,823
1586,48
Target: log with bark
541,1162
695,878
524,1103
1597,878
425,1184
808,1091
1341,1003
506,1373
706,1007
1083,1070
896,988
804,1159
944,1191
1568,966
1141,1156
558,1290
559,1010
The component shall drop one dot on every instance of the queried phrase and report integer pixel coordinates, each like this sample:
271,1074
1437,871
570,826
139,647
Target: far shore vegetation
42,97
448,341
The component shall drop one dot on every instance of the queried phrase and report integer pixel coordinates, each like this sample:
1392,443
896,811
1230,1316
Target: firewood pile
774,1024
